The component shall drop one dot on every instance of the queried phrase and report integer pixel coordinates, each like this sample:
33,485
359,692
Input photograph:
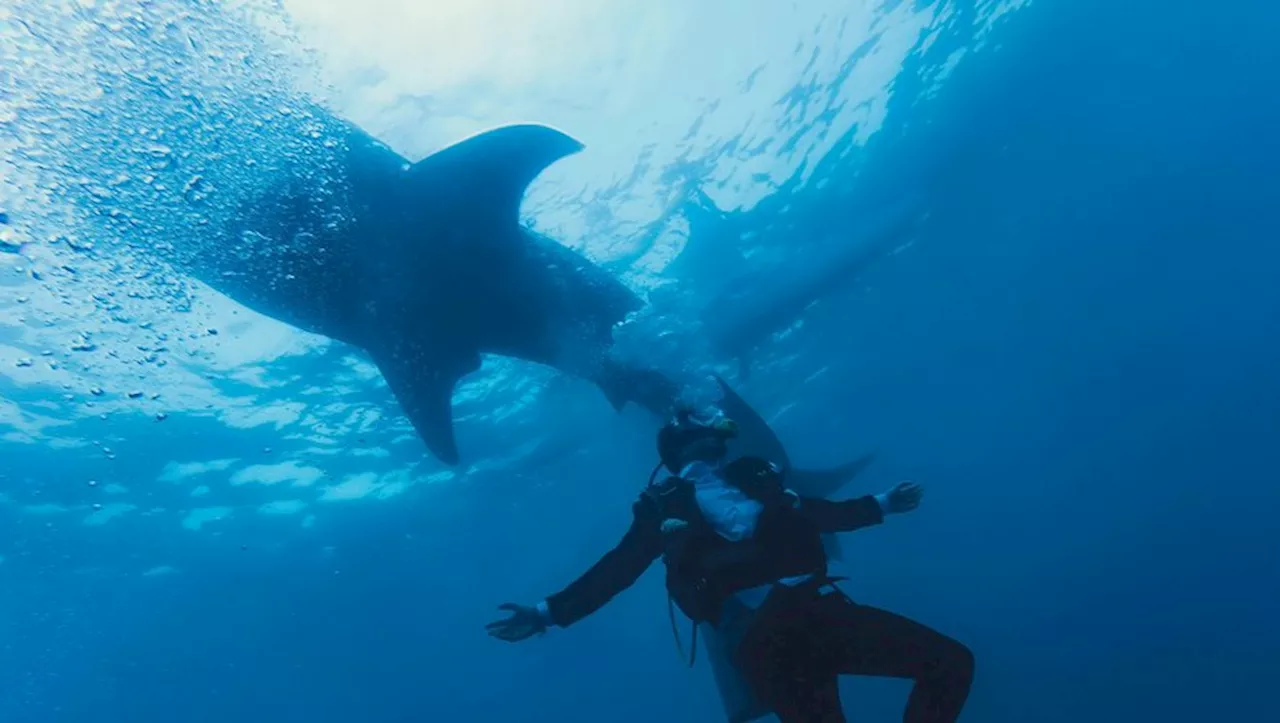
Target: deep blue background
1078,358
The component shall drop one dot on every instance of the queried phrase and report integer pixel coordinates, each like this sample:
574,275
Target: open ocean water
1073,342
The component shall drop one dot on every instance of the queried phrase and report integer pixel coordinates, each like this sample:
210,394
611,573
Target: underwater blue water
1076,354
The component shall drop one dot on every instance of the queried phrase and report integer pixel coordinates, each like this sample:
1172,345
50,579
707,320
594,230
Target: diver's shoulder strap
673,497
748,469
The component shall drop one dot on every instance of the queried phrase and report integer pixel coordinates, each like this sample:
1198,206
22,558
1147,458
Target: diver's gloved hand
524,623
903,498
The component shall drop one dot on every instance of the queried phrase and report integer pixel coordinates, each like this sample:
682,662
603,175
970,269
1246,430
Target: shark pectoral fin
827,482
757,438
424,390
487,173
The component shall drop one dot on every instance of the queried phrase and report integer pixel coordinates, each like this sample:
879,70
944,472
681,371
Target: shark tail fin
827,482
424,389
755,436
835,550
758,438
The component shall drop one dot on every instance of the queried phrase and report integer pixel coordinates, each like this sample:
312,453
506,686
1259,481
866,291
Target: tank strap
675,632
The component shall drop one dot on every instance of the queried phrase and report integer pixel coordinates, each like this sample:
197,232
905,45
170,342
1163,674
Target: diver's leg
794,691
783,663
813,701
870,641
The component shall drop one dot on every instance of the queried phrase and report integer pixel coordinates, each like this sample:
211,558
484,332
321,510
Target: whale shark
426,267
754,305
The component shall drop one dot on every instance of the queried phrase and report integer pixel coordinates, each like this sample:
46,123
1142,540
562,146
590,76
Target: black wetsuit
802,637
793,654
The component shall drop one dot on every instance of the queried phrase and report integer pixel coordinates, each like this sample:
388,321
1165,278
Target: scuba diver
745,562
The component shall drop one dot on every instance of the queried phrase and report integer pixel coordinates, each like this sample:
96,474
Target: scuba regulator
691,436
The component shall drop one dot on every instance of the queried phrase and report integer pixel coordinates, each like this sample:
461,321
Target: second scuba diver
745,561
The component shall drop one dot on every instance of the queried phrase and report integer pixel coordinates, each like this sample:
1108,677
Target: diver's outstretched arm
854,514
843,515
615,572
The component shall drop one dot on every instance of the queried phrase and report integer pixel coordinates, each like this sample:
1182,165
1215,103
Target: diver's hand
903,498
524,623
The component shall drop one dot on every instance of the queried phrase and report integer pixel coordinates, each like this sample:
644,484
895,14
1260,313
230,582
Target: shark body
426,267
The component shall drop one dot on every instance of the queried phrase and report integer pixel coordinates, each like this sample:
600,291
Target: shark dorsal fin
489,172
